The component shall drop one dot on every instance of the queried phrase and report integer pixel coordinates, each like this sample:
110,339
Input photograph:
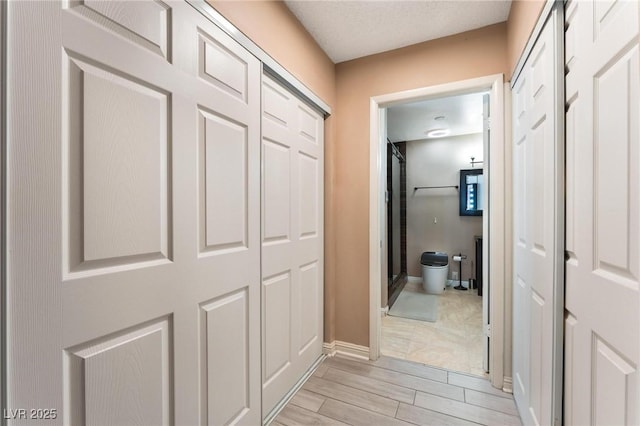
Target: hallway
395,392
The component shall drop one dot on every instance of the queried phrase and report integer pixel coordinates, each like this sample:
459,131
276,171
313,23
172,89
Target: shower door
396,220
394,201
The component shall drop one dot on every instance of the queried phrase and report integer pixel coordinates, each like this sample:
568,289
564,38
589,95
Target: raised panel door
603,186
292,262
133,229
537,178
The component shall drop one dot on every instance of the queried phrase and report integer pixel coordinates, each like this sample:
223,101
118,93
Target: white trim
507,385
329,349
384,311
285,400
496,241
345,348
377,119
271,66
3,205
557,14
546,12
496,173
508,224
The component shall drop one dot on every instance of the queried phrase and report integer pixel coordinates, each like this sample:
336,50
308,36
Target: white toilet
435,269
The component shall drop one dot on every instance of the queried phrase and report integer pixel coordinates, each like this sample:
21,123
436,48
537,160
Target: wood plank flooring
389,391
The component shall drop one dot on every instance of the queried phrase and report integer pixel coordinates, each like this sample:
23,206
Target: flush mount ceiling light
438,133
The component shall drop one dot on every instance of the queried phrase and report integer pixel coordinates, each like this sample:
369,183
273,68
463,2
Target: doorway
435,224
493,244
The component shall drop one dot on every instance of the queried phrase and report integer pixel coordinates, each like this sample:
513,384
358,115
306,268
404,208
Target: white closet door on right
292,240
537,168
603,213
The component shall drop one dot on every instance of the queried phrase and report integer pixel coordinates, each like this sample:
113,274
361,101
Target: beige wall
522,18
347,88
276,30
472,54
433,219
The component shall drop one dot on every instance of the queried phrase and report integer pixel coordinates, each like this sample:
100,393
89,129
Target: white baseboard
329,349
385,311
346,349
414,279
507,385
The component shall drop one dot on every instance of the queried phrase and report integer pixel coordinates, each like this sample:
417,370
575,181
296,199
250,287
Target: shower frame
397,283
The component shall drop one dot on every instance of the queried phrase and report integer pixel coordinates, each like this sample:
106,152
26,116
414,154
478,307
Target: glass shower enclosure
396,219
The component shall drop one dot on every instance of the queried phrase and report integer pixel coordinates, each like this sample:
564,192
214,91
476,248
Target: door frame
3,204
494,243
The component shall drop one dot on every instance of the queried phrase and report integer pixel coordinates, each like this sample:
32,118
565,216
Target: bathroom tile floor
453,342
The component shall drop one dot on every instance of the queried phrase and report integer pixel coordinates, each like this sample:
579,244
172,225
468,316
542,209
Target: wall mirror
471,187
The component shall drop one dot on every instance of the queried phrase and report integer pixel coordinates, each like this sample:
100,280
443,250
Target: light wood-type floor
391,391
453,342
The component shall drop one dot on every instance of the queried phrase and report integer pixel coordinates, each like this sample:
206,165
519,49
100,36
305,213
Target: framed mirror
471,187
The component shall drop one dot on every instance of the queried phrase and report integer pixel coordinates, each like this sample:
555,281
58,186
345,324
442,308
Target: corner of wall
347,349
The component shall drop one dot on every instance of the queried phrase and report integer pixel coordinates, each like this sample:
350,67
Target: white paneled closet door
292,240
537,182
133,242
603,213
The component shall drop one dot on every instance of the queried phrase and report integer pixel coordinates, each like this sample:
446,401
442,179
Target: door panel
536,214
603,183
308,305
112,186
277,193
292,208
223,157
133,230
226,384
129,370
277,325
144,23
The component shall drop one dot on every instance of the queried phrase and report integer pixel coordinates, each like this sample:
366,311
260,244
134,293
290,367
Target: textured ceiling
462,116
351,29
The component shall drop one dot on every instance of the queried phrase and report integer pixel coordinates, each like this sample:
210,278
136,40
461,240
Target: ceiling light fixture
438,133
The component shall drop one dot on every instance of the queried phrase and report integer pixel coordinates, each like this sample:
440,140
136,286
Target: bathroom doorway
435,199
379,257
